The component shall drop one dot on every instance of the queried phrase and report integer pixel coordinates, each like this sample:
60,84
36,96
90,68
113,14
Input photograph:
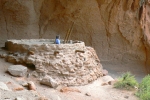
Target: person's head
57,37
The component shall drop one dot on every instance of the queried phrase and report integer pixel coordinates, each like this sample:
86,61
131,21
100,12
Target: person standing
57,40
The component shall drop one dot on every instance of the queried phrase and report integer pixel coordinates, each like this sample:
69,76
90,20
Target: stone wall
42,45
111,27
68,64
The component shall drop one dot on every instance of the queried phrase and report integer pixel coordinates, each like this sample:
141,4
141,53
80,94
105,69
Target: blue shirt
57,41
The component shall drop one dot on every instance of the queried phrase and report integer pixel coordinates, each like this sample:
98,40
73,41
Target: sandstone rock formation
112,27
145,22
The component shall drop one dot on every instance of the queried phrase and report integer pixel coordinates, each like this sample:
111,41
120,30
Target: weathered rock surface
145,22
3,86
31,86
107,80
49,81
112,27
17,70
68,64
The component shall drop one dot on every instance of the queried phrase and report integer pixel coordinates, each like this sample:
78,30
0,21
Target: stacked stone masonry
69,64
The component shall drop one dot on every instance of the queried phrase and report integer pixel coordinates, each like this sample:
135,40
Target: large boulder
17,70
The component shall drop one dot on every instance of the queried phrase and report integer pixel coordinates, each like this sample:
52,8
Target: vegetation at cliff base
127,81
144,89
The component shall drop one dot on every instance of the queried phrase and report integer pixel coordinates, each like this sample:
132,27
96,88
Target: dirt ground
93,91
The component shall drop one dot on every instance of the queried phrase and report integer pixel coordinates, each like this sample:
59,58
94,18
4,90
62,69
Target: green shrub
144,89
127,81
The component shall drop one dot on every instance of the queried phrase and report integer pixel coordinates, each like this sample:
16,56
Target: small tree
127,81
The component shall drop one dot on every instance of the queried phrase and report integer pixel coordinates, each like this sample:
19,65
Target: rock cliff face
117,29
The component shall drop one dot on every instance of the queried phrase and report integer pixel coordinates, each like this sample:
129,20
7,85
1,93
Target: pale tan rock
35,74
105,72
17,70
87,94
103,84
49,81
4,87
31,86
19,98
18,88
24,84
112,82
68,89
108,80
